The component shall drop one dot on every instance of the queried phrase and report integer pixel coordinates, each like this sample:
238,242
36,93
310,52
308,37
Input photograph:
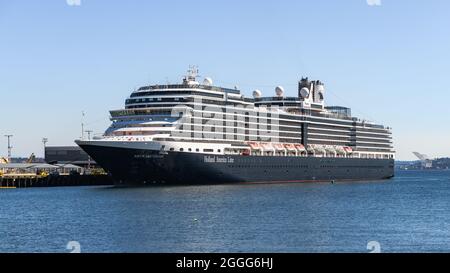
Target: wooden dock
27,181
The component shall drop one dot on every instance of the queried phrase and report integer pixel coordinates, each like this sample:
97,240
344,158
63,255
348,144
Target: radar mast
191,76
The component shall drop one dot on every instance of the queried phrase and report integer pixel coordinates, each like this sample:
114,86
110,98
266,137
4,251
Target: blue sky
389,63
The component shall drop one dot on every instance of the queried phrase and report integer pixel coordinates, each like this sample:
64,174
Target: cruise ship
197,133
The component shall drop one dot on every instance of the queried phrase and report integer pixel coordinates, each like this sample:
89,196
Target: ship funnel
320,90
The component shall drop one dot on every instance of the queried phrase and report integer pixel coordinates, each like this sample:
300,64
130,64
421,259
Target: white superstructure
202,118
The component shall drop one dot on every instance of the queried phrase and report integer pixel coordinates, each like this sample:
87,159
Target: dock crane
424,160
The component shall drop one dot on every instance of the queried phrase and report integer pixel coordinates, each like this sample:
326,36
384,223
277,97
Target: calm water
409,213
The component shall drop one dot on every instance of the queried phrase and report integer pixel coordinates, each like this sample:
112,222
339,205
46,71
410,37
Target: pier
29,174
21,181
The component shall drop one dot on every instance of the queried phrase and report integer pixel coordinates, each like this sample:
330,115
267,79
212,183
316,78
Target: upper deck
195,109
141,90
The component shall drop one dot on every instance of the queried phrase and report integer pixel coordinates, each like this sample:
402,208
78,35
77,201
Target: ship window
197,150
181,149
189,149
218,150
208,150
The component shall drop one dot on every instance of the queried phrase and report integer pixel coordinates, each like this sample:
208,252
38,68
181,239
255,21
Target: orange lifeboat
348,150
266,146
300,147
290,147
278,146
254,145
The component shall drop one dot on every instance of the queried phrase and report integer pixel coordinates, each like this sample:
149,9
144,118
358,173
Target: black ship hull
146,167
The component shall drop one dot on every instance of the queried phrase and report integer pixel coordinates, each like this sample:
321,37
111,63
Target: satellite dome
279,90
304,92
257,94
207,81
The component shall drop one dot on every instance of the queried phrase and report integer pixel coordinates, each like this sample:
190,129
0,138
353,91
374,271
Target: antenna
192,74
193,71
9,146
82,125
89,134
44,141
